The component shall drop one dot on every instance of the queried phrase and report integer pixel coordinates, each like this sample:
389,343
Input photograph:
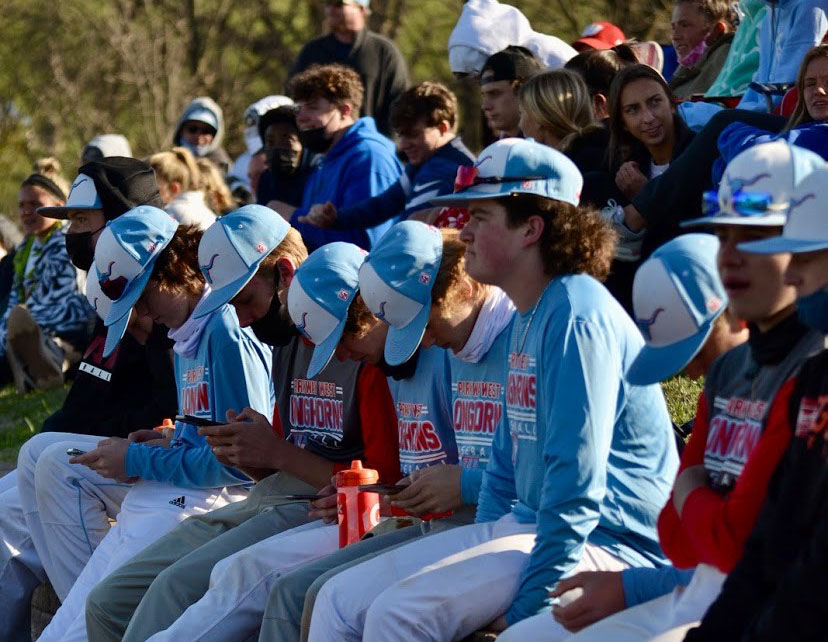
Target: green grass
22,415
682,396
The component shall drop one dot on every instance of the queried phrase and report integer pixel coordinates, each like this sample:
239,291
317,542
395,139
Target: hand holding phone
382,489
198,421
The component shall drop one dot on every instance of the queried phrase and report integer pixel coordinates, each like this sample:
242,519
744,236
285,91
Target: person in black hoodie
777,589
134,388
376,59
289,164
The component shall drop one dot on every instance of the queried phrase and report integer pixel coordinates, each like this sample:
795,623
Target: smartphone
74,452
296,498
382,489
198,421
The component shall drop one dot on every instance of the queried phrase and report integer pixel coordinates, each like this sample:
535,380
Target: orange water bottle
358,512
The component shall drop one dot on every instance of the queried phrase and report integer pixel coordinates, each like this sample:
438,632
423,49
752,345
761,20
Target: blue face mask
813,310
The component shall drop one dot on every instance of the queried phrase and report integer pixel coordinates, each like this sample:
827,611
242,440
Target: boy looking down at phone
144,259
250,257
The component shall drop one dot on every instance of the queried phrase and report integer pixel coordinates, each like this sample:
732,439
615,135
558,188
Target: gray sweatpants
148,593
290,604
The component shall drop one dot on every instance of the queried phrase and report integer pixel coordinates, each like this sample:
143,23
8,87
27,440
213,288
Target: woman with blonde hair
219,198
180,185
556,109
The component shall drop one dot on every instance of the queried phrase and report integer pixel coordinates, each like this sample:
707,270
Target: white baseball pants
149,510
443,587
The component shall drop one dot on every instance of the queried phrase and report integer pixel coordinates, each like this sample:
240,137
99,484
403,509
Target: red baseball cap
599,35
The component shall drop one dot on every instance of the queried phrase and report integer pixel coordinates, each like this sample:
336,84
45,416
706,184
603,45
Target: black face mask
282,162
275,328
80,250
315,140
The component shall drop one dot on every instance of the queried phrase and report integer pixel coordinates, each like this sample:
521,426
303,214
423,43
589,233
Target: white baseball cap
806,229
757,185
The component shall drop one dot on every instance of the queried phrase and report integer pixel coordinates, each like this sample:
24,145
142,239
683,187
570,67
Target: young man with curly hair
570,483
357,162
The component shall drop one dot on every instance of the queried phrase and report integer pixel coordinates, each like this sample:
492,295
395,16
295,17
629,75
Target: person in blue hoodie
358,161
143,260
789,30
581,463
424,119
807,127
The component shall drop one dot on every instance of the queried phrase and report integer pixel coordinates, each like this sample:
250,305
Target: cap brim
61,211
782,245
323,352
595,43
654,364
401,343
218,298
774,220
484,191
115,333
123,305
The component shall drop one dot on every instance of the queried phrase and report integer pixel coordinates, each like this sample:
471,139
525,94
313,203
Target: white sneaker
629,242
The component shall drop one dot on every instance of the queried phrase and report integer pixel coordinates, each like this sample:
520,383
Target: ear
599,106
718,29
347,110
286,270
175,188
534,230
444,127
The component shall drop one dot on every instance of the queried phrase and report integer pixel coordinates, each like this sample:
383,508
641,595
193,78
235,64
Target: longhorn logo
381,314
645,324
738,184
113,288
206,268
79,182
301,326
95,303
798,202
480,161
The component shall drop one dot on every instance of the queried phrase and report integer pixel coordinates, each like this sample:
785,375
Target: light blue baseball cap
677,295
203,115
520,166
757,185
319,297
231,250
124,256
806,229
396,281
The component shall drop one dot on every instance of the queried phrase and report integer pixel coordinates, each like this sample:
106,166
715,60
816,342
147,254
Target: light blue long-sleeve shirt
230,370
581,453
477,410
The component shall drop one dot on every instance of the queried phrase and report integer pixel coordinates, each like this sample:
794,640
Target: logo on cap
425,278
260,248
206,268
645,324
113,288
738,184
713,304
381,314
800,201
342,294
301,326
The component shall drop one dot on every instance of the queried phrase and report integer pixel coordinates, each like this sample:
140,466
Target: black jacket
133,388
777,590
377,61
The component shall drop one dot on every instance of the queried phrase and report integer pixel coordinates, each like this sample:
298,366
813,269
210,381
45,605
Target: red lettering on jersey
418,436
520,390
